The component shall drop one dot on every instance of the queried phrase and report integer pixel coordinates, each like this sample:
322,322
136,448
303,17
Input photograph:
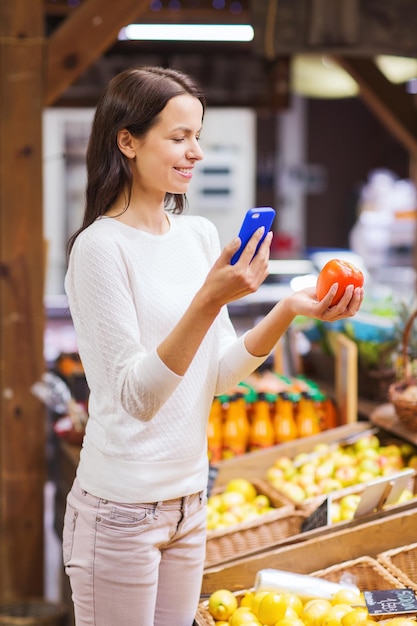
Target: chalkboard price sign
213,471
319,517
391,601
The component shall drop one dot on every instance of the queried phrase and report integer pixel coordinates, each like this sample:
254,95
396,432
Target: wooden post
22,417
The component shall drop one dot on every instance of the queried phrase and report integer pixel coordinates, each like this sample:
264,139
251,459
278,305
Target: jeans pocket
128,520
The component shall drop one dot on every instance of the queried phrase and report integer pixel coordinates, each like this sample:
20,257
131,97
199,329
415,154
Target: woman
147,288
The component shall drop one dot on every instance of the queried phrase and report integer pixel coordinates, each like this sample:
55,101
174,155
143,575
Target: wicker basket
402,563
406,410
255,534
364,572
248,537
32,612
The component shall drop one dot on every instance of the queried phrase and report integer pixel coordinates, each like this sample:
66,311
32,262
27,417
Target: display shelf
385,417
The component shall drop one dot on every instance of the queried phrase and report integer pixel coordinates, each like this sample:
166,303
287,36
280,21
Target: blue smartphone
254,219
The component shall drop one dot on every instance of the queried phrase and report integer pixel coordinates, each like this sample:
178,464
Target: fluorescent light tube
187,32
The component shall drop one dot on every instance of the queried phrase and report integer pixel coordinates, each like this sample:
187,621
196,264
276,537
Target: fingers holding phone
254,220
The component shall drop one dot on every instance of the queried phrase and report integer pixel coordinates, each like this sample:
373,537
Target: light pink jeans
134,564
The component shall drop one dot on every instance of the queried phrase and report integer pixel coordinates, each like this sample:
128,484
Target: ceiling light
187,32
397,69
317,76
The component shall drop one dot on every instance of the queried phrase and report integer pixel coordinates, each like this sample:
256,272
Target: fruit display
274,608
240,501
343,509
333,467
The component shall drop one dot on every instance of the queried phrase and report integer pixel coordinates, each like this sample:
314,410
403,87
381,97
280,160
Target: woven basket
402,563
32,612
405,409
365,572
248,537
242,539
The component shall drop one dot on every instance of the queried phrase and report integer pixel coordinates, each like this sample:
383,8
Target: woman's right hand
226,283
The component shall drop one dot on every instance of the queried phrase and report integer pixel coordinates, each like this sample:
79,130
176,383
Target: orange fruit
222,604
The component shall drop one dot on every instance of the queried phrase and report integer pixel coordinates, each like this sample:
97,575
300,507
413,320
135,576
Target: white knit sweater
146,434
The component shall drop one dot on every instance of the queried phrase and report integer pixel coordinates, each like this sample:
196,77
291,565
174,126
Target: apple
327,485
368,441
294,492
325,469
346,474
369,465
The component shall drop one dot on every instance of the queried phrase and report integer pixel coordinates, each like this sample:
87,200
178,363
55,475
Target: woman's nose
195,152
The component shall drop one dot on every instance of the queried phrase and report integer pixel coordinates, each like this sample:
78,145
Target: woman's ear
126,143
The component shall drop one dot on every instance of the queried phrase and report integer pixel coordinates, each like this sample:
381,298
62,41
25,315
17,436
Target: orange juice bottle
234,438
331,416
242,418
214,432
261,433
307,418
285,426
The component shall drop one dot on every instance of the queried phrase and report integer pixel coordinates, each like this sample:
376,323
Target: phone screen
254,219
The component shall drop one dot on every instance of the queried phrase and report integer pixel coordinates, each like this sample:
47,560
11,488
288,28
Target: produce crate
308,505
255,534
319,549
365,572
402,563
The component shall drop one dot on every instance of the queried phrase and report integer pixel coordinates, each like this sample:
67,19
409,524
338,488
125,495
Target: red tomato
338,271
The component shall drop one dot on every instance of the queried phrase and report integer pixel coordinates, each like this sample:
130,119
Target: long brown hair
133,100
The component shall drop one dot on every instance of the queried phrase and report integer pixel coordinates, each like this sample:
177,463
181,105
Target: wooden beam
390,103
83,37
22,417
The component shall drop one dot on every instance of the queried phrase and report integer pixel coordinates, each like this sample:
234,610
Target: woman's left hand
305,302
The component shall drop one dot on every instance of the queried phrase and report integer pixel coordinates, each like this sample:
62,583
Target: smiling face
165,157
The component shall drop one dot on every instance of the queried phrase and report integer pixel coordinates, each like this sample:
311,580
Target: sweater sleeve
235,362
115,360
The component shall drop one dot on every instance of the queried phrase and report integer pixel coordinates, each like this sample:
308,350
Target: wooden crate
320,548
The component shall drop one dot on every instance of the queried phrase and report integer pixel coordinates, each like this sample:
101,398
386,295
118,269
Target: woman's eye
178,139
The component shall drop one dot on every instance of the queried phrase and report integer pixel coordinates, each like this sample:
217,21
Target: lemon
247,599
293,601
314,611
335,614
257,599
243,486
222,604
271,608
290,621
348,595
357,617
242,615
